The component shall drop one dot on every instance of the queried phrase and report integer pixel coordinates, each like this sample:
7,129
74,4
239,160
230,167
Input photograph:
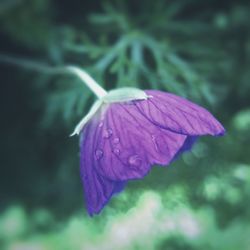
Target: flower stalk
83,75
88,80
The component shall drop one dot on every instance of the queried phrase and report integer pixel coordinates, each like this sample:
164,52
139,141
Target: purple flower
128,131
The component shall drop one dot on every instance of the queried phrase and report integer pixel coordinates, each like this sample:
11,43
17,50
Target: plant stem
83,75
90,82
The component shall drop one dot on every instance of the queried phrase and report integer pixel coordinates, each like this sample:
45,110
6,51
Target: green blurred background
196,49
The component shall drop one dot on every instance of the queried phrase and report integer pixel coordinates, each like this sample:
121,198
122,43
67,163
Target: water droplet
116,140
116,151
98,154
107,133
134,160
100,125
153,137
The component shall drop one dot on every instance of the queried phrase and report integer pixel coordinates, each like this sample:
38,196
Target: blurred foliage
196,49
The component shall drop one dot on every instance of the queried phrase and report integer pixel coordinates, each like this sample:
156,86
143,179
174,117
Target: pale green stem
83,75
90,82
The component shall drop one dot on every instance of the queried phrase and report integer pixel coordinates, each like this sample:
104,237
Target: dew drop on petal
153,137
100,124
116,140
116,151
98,154
107,133
134,160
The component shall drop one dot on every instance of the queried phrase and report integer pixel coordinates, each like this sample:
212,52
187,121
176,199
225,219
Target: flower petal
98,189
127,144
123,140
178,114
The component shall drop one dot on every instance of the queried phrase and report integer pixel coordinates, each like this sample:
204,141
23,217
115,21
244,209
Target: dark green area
196,49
